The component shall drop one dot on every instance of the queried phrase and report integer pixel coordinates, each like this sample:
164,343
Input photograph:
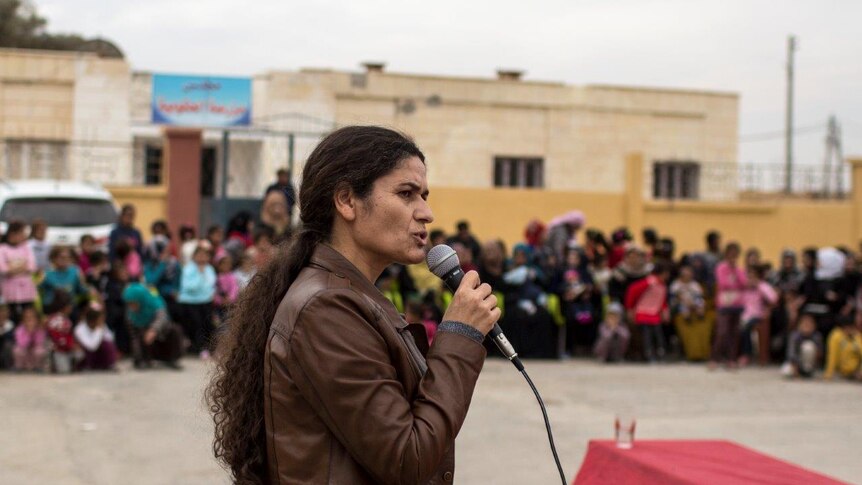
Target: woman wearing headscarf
823,295
154,336
786,279
527,322
563,231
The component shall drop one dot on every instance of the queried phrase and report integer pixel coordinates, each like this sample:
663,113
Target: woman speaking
319,379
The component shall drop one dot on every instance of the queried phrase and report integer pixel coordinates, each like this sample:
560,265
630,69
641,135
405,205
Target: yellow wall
770,227
150,202
504,213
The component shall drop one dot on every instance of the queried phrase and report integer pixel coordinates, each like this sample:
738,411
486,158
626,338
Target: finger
471,280
496,314
491,301
484,290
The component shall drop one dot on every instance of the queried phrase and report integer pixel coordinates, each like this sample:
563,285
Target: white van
71,209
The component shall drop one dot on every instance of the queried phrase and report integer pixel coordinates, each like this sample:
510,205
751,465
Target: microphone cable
443,263
547,424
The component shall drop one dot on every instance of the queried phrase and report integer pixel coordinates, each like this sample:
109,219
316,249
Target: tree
21,27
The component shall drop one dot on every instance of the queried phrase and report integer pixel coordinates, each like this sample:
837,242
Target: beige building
78,116
64,115
482,133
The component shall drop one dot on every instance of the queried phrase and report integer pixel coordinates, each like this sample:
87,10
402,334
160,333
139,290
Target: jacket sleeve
769,295
634,292
342,366
31,261
722,279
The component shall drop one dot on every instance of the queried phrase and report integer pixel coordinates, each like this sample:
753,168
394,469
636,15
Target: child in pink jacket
757,299
730,283
17,266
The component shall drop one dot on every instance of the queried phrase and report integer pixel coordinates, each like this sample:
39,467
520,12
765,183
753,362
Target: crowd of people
566,291
70,308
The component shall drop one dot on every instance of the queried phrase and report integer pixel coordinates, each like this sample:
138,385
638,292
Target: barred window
35,159
519,172
152,165
676,180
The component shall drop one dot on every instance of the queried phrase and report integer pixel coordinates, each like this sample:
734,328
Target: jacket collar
331,260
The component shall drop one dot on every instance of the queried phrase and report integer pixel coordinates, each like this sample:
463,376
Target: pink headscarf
574,217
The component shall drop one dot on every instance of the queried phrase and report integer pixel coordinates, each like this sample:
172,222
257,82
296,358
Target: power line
770,135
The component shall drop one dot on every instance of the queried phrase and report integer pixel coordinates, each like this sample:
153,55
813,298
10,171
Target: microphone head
442,260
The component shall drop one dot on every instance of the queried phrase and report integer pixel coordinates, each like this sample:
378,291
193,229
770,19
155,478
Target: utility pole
788,127
833,151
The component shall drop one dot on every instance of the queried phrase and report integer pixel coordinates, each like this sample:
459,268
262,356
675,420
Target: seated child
844,349
96,340
613,340
30,351
687,295
65,351
804,348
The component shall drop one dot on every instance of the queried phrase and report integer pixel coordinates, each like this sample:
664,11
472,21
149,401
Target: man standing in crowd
464,237
284,185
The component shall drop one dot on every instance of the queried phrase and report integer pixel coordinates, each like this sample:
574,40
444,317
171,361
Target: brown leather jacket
349,396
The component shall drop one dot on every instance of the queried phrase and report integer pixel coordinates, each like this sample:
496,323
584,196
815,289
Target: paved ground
152,428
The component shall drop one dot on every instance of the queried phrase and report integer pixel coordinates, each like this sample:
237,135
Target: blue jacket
196,286
68,280
128,233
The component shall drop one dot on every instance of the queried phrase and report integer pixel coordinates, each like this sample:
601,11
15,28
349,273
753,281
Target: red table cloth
664,462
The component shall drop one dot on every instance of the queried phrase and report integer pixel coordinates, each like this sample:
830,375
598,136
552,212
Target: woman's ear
345,203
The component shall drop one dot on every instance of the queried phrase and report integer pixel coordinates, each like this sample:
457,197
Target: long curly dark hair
354,157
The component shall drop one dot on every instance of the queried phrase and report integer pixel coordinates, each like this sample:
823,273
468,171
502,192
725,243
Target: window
518,172
35,159
60,212
676,180
208,171
152,165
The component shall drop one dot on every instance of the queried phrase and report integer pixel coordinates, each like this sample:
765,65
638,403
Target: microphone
443,262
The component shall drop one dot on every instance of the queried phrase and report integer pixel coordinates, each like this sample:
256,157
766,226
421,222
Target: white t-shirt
90,338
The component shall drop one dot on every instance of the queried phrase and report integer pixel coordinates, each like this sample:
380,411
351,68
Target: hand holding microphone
474,304
443,262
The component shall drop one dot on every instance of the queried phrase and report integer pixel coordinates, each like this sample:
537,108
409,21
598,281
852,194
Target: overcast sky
737,46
